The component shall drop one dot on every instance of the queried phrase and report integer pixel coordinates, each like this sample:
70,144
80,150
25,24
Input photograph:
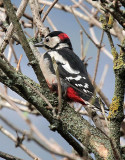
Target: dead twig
51,23
18,65
49,9
84,29
8,35
82,48
98,57
55,66
12,137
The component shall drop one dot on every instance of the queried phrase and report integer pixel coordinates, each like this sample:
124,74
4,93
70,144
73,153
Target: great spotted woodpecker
74,79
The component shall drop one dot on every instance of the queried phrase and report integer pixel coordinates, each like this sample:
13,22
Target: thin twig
11,136
48,10
51,23
32,127
100,87
9,56
18,65
37,19
21,108
98,57
55,66
14,54
88,13
103,49
25,14
84,29
82,49
103,76
19,14
67,8
53,148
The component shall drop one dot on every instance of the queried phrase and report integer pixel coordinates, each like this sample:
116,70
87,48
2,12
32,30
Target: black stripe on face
52,48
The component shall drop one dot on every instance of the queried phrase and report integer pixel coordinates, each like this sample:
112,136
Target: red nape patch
63,36
72,95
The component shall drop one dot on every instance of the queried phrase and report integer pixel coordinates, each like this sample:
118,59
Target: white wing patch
85,90
75,78
86,85
79,85
60,59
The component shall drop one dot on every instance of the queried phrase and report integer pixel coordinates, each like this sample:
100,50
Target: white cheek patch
53,41
65,63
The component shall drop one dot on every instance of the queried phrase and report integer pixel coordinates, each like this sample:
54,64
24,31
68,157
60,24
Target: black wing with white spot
72,70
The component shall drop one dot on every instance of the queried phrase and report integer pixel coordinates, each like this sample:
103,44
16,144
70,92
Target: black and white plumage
74,78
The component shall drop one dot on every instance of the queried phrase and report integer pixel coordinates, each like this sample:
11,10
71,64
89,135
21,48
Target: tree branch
116,114
69,119
8,156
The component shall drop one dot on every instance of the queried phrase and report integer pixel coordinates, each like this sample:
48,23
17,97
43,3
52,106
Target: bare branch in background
103,49
85,30
48,10
12,137
51,24
98,56
19,14
82,48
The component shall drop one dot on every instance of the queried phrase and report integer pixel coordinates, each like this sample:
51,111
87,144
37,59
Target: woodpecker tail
94,102
72,95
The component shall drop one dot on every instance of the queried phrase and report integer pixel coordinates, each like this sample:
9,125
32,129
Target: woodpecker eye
47,39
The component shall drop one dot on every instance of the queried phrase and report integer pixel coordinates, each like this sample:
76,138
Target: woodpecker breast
47,70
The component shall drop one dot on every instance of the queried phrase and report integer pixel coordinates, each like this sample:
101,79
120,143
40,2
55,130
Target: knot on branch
55,125
107,24
19,140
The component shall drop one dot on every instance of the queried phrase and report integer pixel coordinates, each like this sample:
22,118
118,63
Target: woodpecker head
55,40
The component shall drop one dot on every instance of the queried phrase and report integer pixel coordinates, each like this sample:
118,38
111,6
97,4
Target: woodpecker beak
40,44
